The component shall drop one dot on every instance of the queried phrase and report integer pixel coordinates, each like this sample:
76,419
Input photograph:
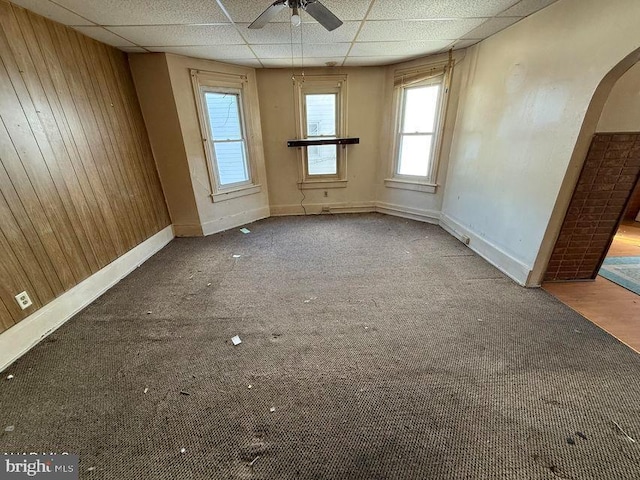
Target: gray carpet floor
385,348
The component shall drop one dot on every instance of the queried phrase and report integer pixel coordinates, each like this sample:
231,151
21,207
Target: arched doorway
561,218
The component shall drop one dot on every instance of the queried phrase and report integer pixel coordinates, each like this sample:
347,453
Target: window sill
236,192
319,184
410,185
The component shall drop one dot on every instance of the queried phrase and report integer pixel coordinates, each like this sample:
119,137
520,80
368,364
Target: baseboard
428,216
187,230
317,208
20,338
503,261
233,221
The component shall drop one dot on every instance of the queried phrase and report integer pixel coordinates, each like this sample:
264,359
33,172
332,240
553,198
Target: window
320,116
320,103
420,99
417,130
226,137
223,112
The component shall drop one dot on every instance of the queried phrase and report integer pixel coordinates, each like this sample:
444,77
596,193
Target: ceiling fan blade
269,14
323,15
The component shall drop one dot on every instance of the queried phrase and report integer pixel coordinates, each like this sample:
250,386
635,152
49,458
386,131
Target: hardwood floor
627,241
610,306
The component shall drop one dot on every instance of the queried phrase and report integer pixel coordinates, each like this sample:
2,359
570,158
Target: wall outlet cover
23,300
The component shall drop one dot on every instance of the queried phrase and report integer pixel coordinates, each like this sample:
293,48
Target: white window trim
410,182
321,84
224,83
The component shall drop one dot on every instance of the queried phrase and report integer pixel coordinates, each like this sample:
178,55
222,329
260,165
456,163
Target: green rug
625,271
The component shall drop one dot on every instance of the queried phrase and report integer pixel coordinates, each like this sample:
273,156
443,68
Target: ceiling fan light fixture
295,17
314,8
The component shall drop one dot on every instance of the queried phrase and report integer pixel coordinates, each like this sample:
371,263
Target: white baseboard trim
20,338
503,261
232,221
428,216
316,208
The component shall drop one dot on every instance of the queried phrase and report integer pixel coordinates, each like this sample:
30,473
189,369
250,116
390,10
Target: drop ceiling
375,32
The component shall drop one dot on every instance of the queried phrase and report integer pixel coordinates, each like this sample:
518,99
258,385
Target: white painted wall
622,111
524,97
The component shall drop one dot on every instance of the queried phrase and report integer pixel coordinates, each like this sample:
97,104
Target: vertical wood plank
51,184
13,281
118,143
24,246
124,79
92,178
122,125
5,317
97,251
27,165
78,184
91,120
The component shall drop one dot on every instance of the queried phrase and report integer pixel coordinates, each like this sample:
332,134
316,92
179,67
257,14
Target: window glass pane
224,115
420,109
321,114
231,162
322,160
415,151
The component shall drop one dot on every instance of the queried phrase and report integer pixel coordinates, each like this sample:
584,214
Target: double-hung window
223,113
222,110
321,113
321,123
419,98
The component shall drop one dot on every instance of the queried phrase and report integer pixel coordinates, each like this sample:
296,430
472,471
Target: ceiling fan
313,7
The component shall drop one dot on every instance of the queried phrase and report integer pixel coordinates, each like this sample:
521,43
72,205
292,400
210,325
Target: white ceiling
375,32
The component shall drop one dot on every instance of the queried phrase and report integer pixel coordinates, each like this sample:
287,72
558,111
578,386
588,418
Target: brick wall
634,204
607,180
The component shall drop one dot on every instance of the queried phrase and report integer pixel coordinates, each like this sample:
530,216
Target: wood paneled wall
78,183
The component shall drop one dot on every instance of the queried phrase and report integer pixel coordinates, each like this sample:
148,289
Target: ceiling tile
308,62
247,62
526,7
412,9
104,36
311,33
211,52
176,35
310,50
248,11
395,30
276,51
147,12
52,11
370,61
491,26
374,49
425,30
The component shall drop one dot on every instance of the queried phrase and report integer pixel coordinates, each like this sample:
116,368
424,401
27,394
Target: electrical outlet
326,209
326,194
23,300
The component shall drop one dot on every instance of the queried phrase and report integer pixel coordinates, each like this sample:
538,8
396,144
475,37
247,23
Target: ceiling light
295,18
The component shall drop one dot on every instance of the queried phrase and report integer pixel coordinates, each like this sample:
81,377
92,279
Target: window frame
214,82
426,184
318,85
